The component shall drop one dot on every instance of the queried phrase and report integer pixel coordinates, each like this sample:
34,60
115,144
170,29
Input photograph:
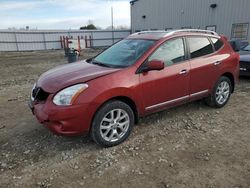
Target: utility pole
112,24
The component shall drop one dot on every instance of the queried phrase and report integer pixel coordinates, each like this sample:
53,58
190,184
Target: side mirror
154,65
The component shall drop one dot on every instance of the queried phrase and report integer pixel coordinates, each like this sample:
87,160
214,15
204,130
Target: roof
157,35
133,1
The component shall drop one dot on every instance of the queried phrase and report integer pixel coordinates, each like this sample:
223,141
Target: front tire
112,123
221,93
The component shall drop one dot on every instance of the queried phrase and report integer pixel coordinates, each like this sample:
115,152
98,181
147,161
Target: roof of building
133,1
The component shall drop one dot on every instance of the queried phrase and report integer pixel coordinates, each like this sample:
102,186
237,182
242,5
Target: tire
220,96
112,123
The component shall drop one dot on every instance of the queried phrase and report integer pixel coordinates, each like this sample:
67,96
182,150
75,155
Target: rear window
217,43
199,46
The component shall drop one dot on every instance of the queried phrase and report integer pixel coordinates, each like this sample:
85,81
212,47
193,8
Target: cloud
49,23
14,5
64,14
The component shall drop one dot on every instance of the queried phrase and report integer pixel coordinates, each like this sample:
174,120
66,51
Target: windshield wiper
99,63
107,65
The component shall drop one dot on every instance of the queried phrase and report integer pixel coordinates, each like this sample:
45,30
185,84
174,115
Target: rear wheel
112,124
221,93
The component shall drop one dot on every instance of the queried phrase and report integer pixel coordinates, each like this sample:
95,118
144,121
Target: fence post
90,41
44,41
79,44
86,41
64,43
16,41
61,40
67,42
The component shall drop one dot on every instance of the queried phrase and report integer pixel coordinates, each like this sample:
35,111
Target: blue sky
62,14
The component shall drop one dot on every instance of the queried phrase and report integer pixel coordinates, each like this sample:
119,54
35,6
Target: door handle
217,63
185,71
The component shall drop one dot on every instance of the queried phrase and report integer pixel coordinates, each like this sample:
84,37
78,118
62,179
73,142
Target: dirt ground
189,146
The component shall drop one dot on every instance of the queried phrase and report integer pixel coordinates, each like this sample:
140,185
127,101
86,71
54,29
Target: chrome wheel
222,92
114,125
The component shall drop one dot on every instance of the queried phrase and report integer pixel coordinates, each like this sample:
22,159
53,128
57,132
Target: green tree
88,27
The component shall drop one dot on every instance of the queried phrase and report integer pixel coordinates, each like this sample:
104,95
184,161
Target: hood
245,57
70,74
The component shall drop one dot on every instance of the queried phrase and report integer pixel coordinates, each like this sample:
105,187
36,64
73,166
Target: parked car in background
243,48
145,73
238,45
245,65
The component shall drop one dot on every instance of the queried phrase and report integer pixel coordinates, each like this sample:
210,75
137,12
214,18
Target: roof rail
193,30
149,31
171,32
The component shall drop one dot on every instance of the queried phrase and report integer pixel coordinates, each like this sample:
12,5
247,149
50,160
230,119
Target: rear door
204,66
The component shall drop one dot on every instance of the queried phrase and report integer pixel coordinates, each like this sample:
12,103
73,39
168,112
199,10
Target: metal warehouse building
228,17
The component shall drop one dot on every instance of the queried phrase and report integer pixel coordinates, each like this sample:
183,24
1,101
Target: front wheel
221,93
112,123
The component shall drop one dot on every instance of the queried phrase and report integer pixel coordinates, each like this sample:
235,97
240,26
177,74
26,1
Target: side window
199,46
170,52
217,43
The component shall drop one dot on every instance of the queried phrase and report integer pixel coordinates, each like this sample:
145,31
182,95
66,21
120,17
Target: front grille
38,94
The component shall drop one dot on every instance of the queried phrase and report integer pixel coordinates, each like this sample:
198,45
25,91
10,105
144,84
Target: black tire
211,100
104,111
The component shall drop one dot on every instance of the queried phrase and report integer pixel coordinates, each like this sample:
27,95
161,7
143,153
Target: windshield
247,48
123,53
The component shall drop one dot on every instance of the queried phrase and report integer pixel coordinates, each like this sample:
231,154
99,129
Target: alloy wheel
222,92
114,125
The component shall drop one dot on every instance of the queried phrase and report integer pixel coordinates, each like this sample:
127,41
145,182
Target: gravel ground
189,146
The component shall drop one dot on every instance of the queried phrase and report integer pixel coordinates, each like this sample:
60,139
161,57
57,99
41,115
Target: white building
228,17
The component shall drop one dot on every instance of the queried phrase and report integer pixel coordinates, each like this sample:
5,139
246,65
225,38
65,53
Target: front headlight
31,94
68,95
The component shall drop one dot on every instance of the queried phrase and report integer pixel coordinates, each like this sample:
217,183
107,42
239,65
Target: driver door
170,86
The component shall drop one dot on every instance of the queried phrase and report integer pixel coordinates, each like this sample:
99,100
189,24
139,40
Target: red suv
142,74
